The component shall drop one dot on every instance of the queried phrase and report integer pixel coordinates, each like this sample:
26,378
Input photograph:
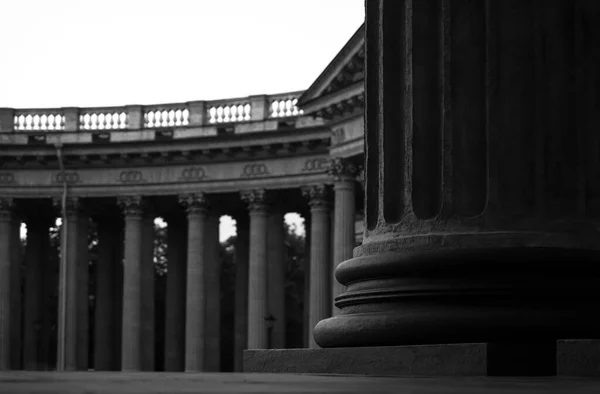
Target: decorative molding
317,195
131,176
338,135
257,200
132,206
254,170
7,178
193,174
194,203
66,177
342,169
316,165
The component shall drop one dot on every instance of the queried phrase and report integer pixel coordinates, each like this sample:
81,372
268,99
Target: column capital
194,203
7,208
257,200
74,205
342,169
132,206
317,195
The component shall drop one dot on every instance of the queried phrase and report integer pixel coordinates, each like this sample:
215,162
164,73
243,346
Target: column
147,289
176,290
212,363
482,163
67,291
196,206
131,344
344,218
320,266
35,258
104,327
83,293
119,268
276,277
16,280
257,269
6,217
241,290
306,331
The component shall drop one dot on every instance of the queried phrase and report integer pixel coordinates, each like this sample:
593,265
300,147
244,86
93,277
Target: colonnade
123,332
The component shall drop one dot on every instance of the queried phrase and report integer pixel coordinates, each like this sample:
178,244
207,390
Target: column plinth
320,262
482,187
257,270
131,343
195,352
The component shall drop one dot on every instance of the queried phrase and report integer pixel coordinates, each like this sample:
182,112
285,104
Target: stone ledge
578,357
425,360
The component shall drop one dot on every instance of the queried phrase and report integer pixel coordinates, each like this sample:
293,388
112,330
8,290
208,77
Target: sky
83,53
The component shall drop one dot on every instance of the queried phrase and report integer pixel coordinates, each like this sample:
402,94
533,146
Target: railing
136,117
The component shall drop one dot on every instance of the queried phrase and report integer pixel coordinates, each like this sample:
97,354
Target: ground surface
171,383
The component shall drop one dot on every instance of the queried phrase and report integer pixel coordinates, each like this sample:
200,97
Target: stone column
16,280
241,290
83,293
67,292
119,268
320,265
257,270
482,171
147,278
196,205
306,331
131,345
176,290
344,218
276,276
36,260
104,327
6,217
212,362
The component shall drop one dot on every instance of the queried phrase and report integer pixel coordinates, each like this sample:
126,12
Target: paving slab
172,383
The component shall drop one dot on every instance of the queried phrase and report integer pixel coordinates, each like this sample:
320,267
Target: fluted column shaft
241,290
83,280
131,344
5,283
176,291
68,283
213,294
147,278
276,277
196,288
344,217
257,270
482,176
320,263
16,280
105,299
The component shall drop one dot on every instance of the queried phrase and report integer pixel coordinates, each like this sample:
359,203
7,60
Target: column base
566,358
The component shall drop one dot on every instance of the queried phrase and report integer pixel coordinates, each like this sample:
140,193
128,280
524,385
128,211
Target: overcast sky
114,52
83,53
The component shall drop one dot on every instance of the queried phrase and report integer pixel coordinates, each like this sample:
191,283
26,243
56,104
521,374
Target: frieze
254,170
338,135
67,177
192,174
7,178
314,165
131,176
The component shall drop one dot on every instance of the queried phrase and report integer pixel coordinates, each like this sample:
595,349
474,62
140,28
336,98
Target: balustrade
42,120
236,110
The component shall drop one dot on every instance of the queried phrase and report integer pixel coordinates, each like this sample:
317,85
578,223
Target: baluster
171,118
219,114
43,122
186,116
213,115
123,120
51,122
151,119
178,117
234,113
295,106
61,122
247,109
114,120
93,120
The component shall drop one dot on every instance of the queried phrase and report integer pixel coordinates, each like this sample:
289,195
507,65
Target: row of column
124,302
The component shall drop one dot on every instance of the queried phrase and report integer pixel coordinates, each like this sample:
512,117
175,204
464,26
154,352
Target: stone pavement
171,383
